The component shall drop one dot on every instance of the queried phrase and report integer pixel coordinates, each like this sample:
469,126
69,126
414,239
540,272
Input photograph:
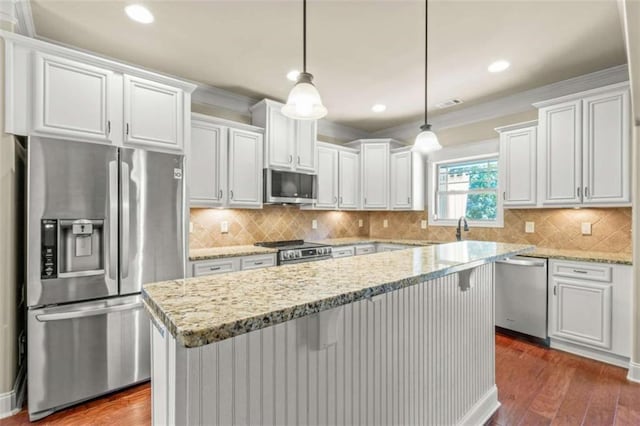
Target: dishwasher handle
521,262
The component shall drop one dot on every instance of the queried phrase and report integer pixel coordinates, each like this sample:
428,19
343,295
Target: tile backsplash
554,228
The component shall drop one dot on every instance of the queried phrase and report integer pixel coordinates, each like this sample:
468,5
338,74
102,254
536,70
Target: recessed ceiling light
293,75
139,13
379,108
499,66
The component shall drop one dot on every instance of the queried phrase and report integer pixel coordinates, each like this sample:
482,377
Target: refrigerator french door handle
88,313
113,219
124,252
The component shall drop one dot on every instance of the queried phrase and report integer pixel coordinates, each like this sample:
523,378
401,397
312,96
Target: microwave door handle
124,253
113,219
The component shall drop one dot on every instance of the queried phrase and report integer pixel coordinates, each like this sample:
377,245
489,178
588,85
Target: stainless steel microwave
289,187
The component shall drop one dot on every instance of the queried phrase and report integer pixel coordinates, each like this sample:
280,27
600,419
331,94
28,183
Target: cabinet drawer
583,271
365,249
256,262
343,251
213,267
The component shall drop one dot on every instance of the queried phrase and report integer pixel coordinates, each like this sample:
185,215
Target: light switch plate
586,228
224,227
529,227
385,223
360,223
423,224
314,224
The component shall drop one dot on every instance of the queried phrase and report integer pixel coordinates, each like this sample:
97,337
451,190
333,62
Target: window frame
432,175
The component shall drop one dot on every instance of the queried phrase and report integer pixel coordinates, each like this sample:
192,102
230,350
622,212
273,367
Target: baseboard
11,402
634,372
483,409
596,354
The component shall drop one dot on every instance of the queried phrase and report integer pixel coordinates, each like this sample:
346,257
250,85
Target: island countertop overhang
199,311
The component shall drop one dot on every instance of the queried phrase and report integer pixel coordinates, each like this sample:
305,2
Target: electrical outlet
423,224
190,227
385,223
529,227
360,223
224,227
586,228
314,224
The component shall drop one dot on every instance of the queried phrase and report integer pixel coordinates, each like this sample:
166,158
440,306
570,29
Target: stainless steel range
298,251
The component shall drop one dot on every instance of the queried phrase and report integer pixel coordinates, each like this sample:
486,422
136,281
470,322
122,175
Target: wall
554,228
272,223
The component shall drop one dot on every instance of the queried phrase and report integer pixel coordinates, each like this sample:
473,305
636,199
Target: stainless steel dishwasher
521,295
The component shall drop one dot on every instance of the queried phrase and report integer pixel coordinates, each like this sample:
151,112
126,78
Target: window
466,188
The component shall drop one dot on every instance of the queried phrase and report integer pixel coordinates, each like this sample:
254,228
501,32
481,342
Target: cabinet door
349,180
327,196
245,169
518,155
375,176
401,180
561,139
580,312
305,140
207,165
152,114
606,158
72,99
280,136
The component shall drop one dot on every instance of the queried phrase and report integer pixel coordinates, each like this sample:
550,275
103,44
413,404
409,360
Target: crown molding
512,104
24,25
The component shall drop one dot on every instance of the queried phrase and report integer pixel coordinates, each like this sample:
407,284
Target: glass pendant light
304,102
426,141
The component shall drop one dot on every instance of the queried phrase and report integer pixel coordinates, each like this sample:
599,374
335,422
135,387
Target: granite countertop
583,255
203,310
229,251
350,241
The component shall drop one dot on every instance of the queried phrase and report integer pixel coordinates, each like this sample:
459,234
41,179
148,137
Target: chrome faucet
459,230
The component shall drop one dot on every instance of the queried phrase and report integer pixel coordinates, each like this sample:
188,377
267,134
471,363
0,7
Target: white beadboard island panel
420,355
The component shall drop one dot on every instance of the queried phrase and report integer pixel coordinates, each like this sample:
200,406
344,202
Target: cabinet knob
298,159
108,127
231,194
408,200
578,192
586,192
220,194
340,200
290,159
335,199
127,128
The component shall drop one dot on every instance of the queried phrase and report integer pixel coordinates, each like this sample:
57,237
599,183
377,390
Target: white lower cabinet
590,309
231,264
344,251
385,247
365,249
224,164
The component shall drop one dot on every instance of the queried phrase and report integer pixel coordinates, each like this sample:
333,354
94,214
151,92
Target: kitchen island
404,337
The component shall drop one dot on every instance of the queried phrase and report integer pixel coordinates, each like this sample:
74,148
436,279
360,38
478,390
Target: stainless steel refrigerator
101,221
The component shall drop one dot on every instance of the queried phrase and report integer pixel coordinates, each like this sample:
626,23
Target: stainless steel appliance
298,251
521,295
101,222
289,187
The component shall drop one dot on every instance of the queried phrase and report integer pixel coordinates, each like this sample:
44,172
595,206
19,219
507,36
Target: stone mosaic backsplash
554,228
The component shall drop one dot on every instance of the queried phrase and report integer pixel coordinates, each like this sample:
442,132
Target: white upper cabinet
64,93
72,99
349,180
208,164
245,169
152,114
518,164
327,191
305,140
375,176
561,143
401,180
606,148
585,148
290,145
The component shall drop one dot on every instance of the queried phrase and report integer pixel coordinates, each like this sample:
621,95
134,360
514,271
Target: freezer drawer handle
88,313
519,262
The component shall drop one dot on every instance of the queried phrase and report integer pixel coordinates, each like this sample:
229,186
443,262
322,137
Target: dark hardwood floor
536,385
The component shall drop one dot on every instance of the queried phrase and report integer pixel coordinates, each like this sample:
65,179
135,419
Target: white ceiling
361,51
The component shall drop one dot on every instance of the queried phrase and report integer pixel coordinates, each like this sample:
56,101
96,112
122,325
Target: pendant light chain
304,35
426,55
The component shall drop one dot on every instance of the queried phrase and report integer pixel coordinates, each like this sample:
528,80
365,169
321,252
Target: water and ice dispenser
72,248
